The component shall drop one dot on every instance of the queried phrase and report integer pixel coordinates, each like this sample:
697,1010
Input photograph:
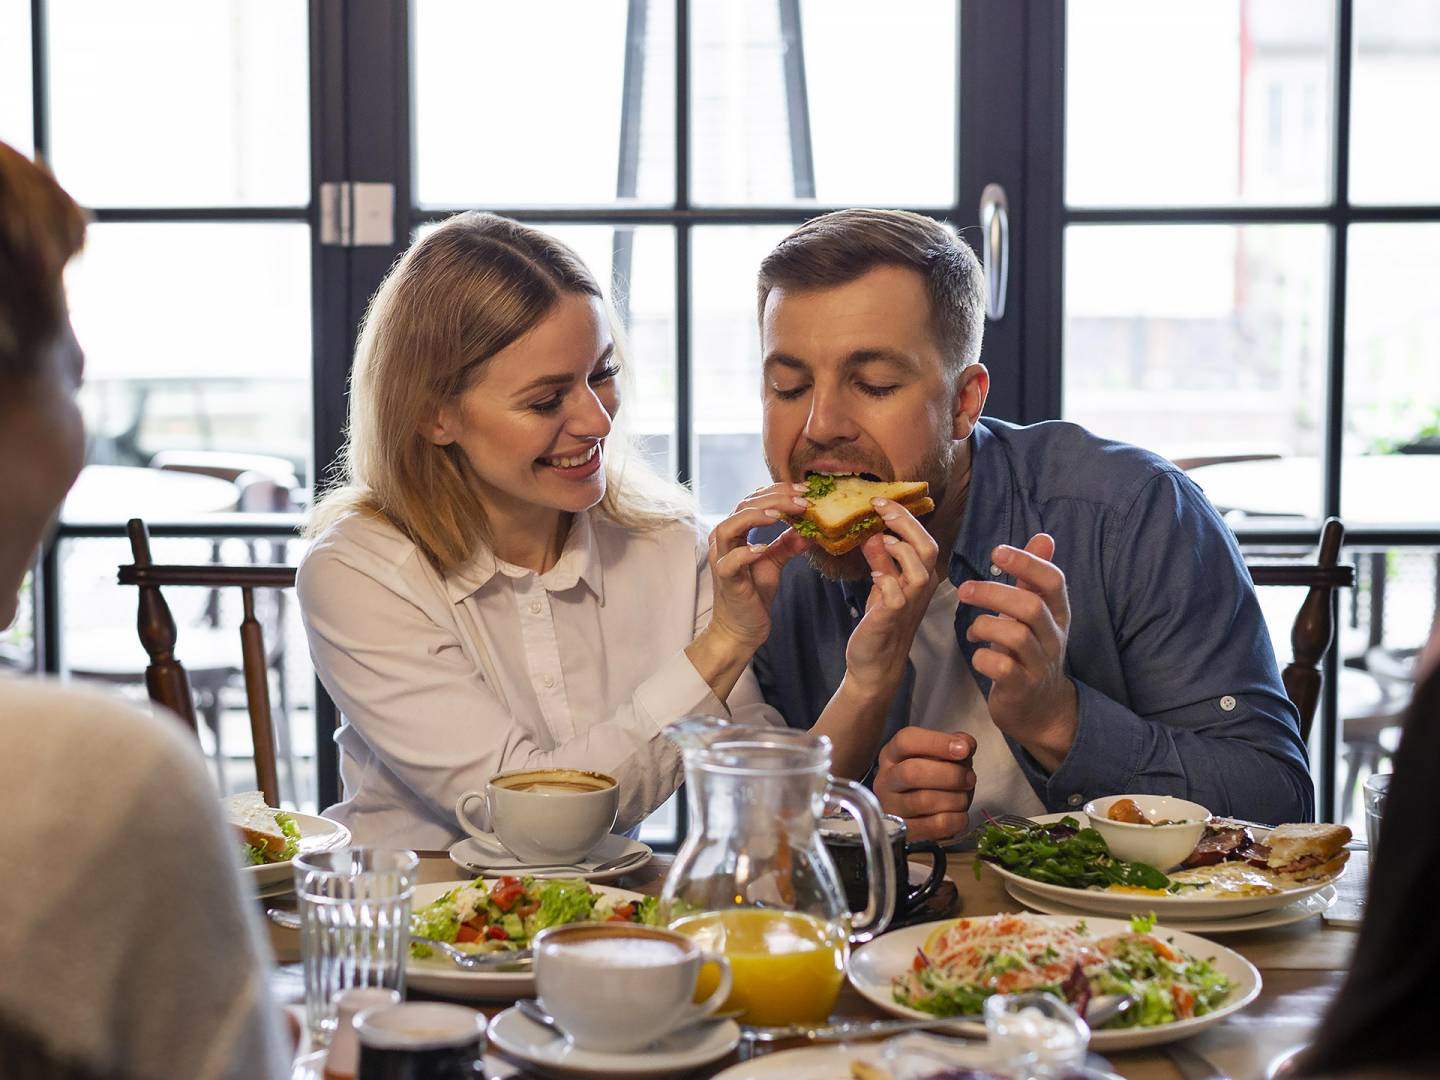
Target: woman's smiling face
532,422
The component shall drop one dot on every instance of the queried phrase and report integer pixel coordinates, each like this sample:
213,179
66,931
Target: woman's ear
441,428
972,386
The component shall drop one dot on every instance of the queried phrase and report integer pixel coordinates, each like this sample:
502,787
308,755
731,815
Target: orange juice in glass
787,966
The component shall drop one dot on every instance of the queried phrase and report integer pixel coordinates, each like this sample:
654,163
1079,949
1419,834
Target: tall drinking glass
354,925
1375,788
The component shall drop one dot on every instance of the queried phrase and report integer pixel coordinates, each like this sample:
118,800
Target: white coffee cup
544,815
618,987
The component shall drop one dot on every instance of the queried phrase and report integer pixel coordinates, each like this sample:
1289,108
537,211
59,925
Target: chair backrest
165,677
1314,627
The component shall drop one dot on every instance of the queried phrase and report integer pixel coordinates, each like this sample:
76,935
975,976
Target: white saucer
469,855
676,1054
1306,907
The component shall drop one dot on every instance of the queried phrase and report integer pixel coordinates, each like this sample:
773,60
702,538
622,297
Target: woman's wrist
720,658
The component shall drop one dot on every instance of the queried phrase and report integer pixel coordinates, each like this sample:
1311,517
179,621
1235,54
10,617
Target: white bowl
1160,846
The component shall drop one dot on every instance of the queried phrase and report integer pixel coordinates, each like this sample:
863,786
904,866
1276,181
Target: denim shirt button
854,612
1227,703
1075,800
995,571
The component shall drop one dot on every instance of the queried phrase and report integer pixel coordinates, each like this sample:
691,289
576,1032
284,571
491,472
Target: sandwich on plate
267,835
1307,852
840,515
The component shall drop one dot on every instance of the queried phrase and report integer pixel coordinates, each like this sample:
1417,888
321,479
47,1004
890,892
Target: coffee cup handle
924,891
481,838
720,994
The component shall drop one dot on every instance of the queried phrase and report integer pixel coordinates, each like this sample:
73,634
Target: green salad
504,914
965,962
257,857
1062,853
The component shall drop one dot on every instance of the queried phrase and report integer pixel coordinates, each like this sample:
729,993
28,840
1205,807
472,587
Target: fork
1012,820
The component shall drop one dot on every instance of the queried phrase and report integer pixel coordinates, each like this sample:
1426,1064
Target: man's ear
971,388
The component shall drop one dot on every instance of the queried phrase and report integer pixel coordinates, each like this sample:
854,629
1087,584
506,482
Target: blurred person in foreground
1077,620
128,946
1379,1023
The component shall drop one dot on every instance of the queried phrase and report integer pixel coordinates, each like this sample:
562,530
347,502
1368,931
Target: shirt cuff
1103,759
674,691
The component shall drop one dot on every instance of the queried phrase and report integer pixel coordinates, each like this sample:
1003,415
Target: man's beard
935,468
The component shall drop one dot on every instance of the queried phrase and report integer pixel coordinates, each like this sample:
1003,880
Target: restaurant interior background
1222,217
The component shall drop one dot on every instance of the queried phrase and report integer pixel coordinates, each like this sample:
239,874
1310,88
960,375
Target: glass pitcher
753,879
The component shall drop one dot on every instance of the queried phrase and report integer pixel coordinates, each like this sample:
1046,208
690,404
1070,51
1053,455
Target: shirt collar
579,561
988,508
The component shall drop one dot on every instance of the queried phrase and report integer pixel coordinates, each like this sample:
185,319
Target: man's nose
830,419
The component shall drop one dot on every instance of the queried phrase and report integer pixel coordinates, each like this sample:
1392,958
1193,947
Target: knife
1193,1065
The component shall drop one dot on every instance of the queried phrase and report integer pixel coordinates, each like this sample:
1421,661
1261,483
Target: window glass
725,339
1180,102
1391,468
1397,66
197,337
173,103
859,108
1202,342
522,104
15,76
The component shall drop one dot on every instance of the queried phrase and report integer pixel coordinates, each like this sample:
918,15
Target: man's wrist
1051,745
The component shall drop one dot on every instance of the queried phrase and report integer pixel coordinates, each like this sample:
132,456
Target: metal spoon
620,862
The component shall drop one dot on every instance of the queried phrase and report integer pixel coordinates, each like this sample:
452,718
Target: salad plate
1296,911
476,857
873,968
316,834
673,1055
1167,907
437,975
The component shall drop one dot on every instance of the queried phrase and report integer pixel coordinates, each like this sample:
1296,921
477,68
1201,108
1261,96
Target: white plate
470,856
833,1062
316,834
1165,907
672,1056
1305,908
873,965
437,975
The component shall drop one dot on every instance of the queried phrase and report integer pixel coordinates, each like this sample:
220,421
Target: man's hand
1031,698
746,576
902,567
925,777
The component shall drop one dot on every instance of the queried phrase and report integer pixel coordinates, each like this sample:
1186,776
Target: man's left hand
1031,698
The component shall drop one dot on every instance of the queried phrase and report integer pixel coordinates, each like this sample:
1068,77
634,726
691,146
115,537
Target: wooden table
1301,966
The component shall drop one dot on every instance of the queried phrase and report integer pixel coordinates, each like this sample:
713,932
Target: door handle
995,248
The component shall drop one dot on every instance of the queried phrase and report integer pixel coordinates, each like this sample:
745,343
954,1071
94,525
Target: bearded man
1091,628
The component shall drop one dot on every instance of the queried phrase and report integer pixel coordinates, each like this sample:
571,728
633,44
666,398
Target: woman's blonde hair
455,299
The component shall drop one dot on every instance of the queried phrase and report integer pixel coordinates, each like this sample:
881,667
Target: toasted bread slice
256,823
840,516
1287,843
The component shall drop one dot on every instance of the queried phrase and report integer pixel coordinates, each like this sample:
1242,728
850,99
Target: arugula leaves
1062,854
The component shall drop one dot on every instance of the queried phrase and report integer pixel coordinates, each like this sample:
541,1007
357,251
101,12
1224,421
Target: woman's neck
530,536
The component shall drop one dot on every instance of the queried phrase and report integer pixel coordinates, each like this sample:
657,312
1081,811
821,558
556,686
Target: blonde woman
500,583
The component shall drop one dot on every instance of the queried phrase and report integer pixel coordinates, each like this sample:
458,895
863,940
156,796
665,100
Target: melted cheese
1227,879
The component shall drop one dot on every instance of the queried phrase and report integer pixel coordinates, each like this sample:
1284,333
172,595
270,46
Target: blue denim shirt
1178,688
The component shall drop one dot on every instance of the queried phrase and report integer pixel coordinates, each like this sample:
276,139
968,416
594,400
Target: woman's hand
746,576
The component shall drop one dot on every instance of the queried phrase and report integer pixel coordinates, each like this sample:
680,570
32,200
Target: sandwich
1307,852
267,835
840,515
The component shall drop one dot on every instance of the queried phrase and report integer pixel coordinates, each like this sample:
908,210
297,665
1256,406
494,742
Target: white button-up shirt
444,681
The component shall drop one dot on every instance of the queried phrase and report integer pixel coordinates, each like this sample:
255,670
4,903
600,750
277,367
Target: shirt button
995,571
854,612
534,607
1227,703
548,680
1075,800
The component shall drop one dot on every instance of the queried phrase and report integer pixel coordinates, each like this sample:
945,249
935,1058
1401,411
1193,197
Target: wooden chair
1314,627
165,677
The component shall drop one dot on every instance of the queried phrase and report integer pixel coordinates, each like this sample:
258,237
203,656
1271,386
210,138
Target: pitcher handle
881,902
